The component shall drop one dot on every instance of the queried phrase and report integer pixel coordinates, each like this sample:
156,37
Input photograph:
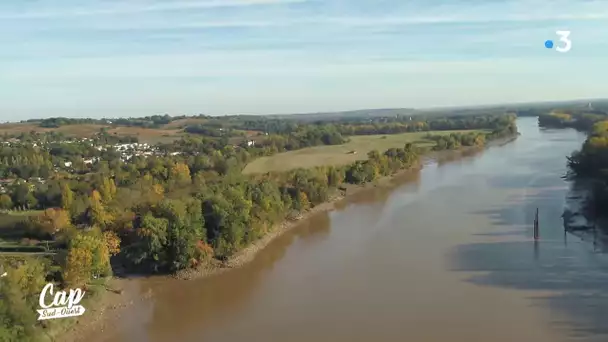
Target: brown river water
444,255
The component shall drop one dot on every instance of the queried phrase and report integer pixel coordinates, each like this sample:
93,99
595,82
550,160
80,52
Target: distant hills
523,109
383,112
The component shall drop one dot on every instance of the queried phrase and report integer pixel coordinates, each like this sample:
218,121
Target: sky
110,58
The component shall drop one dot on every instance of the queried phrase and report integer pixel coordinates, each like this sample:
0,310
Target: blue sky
144,57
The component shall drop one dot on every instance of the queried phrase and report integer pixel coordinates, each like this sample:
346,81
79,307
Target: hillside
147,135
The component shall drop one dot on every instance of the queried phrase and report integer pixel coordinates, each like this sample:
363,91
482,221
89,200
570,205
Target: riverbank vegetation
175,206
590,164
582,120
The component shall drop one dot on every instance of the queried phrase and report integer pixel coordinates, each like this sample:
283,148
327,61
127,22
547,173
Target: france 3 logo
565,44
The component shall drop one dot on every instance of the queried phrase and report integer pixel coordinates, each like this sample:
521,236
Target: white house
90,161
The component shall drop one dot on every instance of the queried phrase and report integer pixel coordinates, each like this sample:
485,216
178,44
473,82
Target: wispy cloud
131,7
343,22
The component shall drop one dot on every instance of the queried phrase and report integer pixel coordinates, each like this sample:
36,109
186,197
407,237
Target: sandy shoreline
248,253
110,308
104,313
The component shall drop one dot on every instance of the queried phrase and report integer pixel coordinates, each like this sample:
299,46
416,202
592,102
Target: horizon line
415,109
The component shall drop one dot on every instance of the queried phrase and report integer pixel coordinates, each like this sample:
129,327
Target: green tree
19,291
19,194
227,219
185,230
67,197
30,201
5,202
335,176
149,250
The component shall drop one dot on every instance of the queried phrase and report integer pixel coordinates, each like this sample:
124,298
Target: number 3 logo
563,37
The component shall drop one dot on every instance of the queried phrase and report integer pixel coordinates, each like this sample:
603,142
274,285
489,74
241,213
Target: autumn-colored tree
180,173
598,142
77,269
302,201
87,256
97,213
204,252
107,190
112,242
480,140
600,128
53,220
67,197
158,190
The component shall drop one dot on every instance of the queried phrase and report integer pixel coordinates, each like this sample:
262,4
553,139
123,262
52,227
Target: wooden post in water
536,225
594,235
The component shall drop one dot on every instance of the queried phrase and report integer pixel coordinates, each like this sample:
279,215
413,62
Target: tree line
154,121
590,164
580,120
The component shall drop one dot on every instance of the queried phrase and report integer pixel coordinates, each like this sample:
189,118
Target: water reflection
574,276
580,284
379,194
463,156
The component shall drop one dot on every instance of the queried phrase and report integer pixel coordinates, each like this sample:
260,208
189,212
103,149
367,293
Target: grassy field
339,154
23,213
181,123
145,135
165,134
148,135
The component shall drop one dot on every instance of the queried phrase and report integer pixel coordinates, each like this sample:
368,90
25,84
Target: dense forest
185,204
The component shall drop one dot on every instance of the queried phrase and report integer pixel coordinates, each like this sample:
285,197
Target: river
446,255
